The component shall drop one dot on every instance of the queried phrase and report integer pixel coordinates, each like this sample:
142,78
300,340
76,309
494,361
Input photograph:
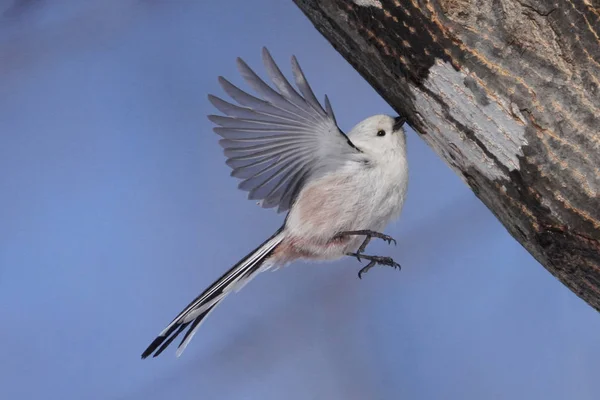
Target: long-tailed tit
341,190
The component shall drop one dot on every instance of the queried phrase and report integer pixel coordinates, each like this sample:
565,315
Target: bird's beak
398,122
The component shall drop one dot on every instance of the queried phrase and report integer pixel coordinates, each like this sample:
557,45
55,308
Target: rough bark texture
508,93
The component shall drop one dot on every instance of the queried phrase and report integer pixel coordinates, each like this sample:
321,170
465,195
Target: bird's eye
381,133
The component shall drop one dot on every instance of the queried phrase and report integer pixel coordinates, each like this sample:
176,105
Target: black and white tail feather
233,280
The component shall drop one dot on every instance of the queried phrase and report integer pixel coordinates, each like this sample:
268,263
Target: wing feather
277,141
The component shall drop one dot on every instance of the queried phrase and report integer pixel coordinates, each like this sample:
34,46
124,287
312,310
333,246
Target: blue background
117,209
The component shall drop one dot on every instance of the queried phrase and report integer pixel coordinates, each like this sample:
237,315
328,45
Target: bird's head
380,134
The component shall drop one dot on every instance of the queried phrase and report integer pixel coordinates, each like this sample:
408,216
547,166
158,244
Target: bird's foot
374,260
368,236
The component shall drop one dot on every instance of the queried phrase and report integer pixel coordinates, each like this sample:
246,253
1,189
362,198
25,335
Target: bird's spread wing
276,142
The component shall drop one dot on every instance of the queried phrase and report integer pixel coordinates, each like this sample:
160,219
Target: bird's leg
364,244
368,236
374,260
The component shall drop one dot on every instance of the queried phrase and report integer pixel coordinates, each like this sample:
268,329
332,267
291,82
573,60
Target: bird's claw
365,269
385,238
368,236
376,260
389,261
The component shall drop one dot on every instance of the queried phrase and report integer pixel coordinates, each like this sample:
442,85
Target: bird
339,190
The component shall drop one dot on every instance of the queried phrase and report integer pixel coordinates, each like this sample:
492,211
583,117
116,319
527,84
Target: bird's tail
201,306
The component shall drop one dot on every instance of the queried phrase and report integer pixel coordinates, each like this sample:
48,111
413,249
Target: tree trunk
507,92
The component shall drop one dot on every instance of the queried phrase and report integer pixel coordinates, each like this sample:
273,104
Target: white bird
340,190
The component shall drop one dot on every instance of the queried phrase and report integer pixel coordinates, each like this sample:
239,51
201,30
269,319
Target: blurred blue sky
117,209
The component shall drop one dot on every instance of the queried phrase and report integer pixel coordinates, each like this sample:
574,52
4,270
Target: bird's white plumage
290,154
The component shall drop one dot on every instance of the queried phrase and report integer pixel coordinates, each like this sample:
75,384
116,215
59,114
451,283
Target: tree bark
507,92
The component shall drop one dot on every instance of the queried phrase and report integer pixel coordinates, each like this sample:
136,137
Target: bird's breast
352,198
